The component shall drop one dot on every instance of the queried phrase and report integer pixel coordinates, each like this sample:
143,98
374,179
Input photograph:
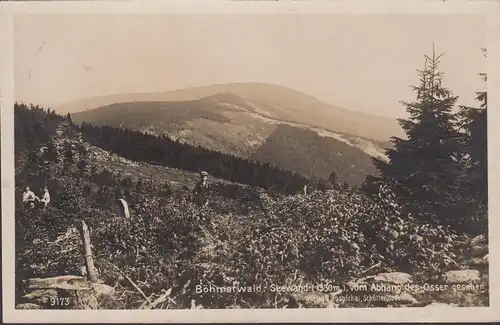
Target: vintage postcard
241,161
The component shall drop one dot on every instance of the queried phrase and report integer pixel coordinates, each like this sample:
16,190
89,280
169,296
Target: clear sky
359,62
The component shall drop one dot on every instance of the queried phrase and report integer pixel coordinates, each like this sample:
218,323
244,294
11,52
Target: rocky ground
465,284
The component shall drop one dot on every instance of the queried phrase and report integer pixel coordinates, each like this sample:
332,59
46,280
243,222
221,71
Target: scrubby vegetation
246,236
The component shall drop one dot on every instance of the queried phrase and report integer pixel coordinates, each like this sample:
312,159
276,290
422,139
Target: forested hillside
161,150
304,151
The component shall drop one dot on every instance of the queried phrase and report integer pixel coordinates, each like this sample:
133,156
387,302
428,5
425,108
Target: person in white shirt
46,196
29,197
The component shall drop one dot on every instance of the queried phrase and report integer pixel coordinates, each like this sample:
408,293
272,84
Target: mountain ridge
222,122
276,102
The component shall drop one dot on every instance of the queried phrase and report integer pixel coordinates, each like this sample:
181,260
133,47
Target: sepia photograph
242,160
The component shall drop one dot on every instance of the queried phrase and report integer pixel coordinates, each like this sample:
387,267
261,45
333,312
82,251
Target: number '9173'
63,302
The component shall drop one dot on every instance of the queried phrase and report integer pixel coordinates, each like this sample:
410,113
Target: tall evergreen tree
473,125
424,168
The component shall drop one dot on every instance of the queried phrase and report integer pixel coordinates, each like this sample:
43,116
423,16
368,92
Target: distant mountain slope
267,100
222,122
304,151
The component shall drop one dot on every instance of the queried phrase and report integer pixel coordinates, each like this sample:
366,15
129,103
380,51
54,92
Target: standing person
29,197
46,197
201,191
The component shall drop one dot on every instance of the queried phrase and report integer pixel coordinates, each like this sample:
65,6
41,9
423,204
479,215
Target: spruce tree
473,126
424,168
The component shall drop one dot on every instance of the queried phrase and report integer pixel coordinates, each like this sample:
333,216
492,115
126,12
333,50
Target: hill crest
274,101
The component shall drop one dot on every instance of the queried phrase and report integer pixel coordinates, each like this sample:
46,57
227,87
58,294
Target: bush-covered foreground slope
332,238
356,251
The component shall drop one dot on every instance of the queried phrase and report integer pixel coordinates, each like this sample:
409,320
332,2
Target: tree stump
124,210
87,249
